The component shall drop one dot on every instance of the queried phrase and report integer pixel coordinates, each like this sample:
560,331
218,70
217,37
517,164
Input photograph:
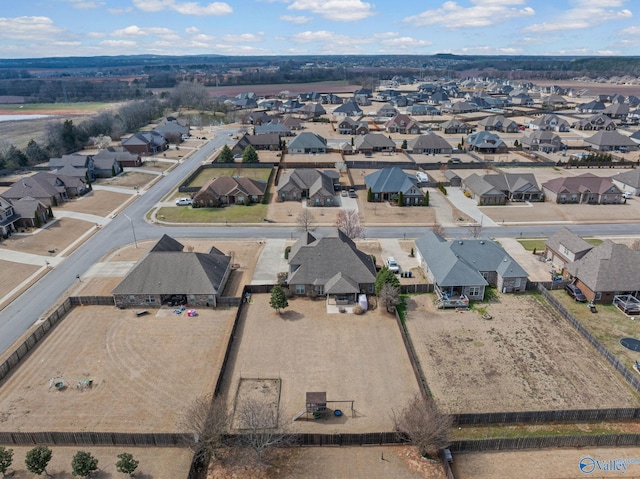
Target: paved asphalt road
16,318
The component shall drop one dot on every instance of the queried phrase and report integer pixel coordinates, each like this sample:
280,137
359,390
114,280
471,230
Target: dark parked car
575,292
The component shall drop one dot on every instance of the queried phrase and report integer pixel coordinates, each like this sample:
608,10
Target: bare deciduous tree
389,296
475,230
306,220
424,425
636,245
438,229
348,221
208,419
258,424
341,166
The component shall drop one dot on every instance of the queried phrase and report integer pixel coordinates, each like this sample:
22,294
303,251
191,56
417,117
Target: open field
207,174
609,325
359,358
262,90
558,463
253,213
155,463
371,462
57,235
137,366
525,358
98,202
13,274
52,108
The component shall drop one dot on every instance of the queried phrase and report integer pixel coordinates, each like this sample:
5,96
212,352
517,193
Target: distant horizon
90,28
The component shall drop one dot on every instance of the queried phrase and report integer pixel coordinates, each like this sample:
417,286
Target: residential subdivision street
30,306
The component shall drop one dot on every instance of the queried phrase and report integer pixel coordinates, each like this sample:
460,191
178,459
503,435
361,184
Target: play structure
316,407
627,303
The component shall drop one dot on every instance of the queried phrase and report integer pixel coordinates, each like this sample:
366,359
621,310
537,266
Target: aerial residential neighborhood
314,250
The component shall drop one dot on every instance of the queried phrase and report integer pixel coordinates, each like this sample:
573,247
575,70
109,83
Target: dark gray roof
307,140
608,267
389,180
318,261
459,262
567,238
167,243
629,177
481,187
611,138
373,140
307,179
429,141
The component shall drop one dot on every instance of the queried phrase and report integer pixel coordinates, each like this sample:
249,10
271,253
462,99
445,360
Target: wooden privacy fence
535,417
28,344
413,358
92,300
95,439
513,443
416,288
628,375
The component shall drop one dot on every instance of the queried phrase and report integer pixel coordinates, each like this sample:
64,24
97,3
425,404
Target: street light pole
135,242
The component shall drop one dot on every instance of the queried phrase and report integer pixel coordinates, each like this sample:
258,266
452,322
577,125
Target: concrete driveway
468,206
391,247
538,270
271,262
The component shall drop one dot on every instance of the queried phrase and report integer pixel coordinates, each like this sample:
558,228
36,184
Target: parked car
392,264
576,293
627,195
352,193
184,201
344,193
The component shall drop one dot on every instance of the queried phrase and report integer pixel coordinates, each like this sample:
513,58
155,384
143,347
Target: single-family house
106,167
403,124
374,142
482,191
272,128
145,143
486,142
169,275
593,106
616,110
226,190
266,141
628,181
461,270
498,123
8,217
307,143
454,126
521,99
258,118
514,187
312,110
542,140
564,247
461,107
330,266
51,189
306,183
550,122
82,164
121,155
173,130
348,109
610,141
387,110
585,188
453,178
607,270
429,144
349,126
554,100
390,183
596,122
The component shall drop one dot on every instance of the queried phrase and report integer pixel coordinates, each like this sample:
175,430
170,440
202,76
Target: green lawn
207,174
539,244
254,213
55,106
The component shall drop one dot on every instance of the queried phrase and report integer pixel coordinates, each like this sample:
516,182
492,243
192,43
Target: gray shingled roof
580,184
175,272
629,177
481,187
307,140
429,141
608,267
389,180
611,138
567,238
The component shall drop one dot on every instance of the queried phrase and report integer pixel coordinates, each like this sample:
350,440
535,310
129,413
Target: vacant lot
14,273
359,358
524,358
128,179
153,462
207,174
98,202
253,213
371,462
137,366
558,463
57,235
525,213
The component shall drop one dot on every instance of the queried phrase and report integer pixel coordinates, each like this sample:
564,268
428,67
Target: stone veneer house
167,274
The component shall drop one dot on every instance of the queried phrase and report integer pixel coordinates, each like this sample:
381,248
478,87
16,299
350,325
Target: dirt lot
524,358
58,235
552,212
137,366
371,462
153,462
560,463
128,179
98,202
13,274
359,358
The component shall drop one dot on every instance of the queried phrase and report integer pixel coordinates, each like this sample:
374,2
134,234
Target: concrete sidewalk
116,189
100,220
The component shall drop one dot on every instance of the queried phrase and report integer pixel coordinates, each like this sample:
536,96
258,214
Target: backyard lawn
253,213
207,174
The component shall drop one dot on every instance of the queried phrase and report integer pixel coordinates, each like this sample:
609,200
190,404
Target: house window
484,274
517,283
150,299
300,289
132,299
371,288
320,289
192,298
474,291
598,295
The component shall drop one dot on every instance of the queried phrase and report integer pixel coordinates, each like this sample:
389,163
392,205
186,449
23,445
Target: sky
54,28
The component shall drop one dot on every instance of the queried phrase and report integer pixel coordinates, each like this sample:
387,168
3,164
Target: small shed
317,403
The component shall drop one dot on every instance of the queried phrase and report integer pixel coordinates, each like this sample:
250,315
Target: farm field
137,366
351,357
524,358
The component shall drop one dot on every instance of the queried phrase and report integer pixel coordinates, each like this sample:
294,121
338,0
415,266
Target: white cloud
192,30
28,28
299,20
635,30
119,43
242,38
483,13
136,31
119,11
405,42
86,4
337,10
185,8
486,50
584,14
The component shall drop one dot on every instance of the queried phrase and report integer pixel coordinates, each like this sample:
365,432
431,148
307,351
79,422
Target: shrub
287,250
357,309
